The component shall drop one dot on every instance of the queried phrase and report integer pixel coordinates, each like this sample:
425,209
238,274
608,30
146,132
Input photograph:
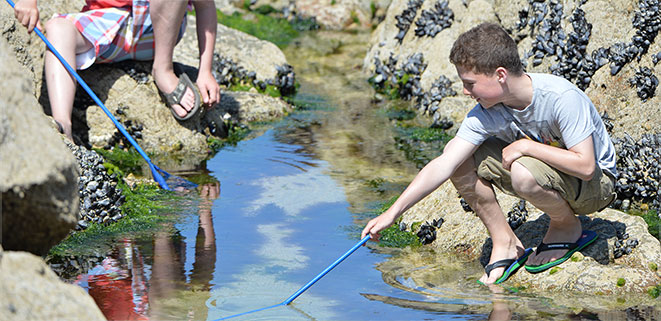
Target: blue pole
154,169
309,284
324,272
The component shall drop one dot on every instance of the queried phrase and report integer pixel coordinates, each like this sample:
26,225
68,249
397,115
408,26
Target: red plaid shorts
116,33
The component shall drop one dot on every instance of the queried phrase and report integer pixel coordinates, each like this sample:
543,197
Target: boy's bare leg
564,226
166,16
68,41
481,197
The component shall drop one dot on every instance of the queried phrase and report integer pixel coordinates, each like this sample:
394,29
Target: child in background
115,30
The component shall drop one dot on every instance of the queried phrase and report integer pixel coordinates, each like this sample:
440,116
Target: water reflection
137,280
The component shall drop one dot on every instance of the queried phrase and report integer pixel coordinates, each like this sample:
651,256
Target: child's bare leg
166,16
564,226
481,197
68,41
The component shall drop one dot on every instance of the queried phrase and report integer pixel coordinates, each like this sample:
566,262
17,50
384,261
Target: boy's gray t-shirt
560,115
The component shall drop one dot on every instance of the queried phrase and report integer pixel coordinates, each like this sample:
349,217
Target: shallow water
290,201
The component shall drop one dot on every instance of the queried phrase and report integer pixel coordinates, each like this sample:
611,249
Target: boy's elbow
588,172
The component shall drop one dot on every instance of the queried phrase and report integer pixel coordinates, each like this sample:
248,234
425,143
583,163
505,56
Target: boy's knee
523,182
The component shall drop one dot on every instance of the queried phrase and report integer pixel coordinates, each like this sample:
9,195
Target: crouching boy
535,136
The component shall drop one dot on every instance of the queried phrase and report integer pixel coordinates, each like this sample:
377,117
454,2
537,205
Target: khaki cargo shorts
583,197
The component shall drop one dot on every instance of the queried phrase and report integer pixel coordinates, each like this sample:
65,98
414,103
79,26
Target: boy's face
486,89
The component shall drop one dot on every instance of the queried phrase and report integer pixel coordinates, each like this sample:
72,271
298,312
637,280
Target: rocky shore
608,48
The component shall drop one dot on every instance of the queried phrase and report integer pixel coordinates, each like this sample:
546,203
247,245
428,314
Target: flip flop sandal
586,239
174,98
512,266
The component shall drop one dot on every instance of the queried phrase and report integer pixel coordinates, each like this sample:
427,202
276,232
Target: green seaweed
621,282
654,291
554,270
653,266
278,31
394,237
122,161
651,217
143,213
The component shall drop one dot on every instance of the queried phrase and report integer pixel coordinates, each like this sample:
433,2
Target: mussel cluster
433,21
405,19
100,198
574,63
407,78
656,58
298,21
646,21
645,82
464,205
429,101
228,73
569,50
517,215
407,81
427,232
133,128
285,80
623,245
638,171
140,76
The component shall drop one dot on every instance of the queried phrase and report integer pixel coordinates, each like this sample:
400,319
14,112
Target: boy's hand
27,14
376,225
514,151
208,88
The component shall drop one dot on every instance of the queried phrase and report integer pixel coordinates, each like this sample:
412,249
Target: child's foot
167,81
556,233
499,253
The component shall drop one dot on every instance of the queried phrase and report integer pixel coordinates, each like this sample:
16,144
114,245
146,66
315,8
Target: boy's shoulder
550,82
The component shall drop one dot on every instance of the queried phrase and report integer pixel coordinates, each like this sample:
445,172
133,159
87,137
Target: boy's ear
502,74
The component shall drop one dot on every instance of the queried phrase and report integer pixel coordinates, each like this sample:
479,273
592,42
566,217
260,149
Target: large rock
246,51
38,174
31,291
594,269
611,23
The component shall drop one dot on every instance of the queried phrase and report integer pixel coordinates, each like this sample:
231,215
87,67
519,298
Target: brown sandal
174,98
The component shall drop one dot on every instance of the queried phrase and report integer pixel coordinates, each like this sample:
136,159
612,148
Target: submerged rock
31,291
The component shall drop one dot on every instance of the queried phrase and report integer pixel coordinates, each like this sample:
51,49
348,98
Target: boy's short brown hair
484,48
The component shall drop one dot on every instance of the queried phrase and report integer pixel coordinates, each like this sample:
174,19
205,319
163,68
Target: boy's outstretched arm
428,179
27,13
207,22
